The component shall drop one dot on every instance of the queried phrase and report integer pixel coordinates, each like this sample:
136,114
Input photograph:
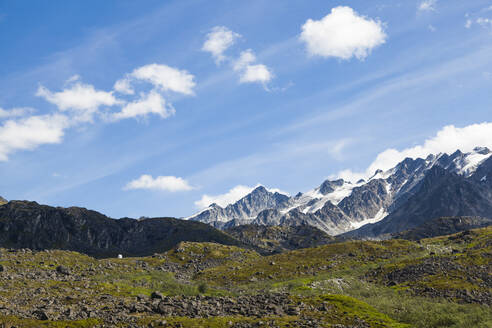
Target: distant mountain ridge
383,204
26,224
247,208
444,226
276,239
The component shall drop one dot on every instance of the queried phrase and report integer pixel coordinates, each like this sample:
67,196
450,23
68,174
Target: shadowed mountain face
276,239
440,194
30,225
444,226
401,198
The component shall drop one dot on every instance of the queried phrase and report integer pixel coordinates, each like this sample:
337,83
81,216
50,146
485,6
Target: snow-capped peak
473,160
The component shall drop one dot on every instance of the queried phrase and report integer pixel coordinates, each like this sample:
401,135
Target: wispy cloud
218,40
83,100
163,183
150,103
221,39
15,112
249,72
388,85
80,103
427,5
31,132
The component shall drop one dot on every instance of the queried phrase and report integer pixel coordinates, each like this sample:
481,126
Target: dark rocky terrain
26,224
444,226
394,283
276,239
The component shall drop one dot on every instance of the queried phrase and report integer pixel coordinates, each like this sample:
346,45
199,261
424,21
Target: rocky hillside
3,200
440,193
411,193
444,226
435,283
242,211
277,239
30,225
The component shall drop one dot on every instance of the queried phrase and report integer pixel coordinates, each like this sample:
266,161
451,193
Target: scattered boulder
157,295
63,270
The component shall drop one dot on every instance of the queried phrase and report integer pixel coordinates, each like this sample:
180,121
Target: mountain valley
409,247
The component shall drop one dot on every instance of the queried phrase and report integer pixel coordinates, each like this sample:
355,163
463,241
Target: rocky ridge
26,224
276,239
338,206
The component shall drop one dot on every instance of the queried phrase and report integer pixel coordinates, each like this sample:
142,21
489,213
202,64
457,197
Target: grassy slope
334,275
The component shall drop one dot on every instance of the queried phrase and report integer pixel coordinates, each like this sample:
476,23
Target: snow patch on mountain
338,206
378,217
472,161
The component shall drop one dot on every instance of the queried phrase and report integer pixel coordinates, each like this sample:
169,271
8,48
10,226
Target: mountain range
25,224
406,201
404,197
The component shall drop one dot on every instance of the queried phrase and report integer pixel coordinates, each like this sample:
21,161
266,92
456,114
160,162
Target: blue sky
290,93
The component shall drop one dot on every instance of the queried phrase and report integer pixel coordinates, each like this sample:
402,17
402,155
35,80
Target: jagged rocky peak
329,186
482,150
338,206
214,205
260,190
3,200
457,153
410,164
243,210
467,163
262,194
378,173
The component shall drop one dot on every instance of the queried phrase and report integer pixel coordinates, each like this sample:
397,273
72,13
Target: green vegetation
10,321
437,282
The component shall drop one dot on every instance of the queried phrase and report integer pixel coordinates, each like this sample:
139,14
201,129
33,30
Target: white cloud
124,86
218,41
223,200
343,34
484,22
427,5
230,197
81,102
82,99
468,23
73,78
29,133
249,72
15,112
151,103
166,183
246,58
166,78
447,140
256,73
